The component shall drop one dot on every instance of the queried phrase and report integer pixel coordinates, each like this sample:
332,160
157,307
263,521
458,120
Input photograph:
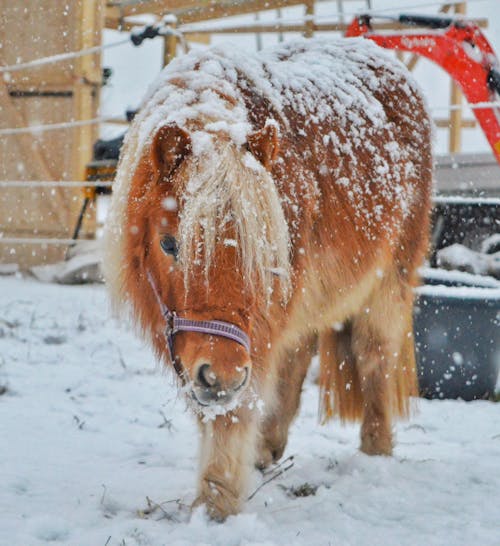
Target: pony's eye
168,244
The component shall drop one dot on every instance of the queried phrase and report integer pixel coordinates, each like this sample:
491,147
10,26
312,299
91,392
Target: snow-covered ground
90,429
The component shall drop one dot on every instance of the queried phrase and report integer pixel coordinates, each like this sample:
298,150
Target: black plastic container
457,331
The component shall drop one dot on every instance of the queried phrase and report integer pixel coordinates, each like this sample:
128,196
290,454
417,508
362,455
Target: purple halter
176,324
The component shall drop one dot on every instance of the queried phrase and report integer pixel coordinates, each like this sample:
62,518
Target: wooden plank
197,38
444,123
11,117
28,24
129,8
33,157
161,7
192,12
229,8
275,27
455,140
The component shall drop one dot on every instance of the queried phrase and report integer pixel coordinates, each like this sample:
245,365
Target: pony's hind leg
383,347
290,377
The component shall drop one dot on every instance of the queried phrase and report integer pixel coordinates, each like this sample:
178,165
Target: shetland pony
283,198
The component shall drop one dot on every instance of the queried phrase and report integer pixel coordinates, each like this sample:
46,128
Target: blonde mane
113,244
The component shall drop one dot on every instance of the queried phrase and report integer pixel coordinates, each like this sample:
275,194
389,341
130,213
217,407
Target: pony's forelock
222,185
228,187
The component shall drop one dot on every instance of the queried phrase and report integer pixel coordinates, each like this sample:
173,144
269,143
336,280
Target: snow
91,427
459,257
462,200
83,264
460,292
458,277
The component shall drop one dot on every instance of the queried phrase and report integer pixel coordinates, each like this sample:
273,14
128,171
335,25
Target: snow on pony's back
326,76
322,80
332,75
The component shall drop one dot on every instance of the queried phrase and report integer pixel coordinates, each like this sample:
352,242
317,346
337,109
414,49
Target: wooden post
279,17
88,81
258,35
455,141
169,46
309,32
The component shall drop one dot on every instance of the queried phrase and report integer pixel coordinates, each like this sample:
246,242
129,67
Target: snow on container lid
440,283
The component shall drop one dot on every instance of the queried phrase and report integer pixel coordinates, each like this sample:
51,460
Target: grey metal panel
468,173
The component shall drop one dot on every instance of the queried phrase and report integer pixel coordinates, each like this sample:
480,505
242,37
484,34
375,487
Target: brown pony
285,195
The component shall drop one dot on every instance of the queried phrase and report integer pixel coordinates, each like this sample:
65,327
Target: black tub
457,331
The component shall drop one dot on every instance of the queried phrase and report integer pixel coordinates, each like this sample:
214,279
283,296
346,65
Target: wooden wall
53,93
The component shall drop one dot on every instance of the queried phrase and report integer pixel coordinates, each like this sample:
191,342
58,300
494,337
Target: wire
62,56
54,126
473,106
35,241
53,183
70,124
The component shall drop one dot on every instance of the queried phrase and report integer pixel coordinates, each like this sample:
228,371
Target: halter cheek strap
175,324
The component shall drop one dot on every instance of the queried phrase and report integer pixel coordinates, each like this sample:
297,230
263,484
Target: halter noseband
175,324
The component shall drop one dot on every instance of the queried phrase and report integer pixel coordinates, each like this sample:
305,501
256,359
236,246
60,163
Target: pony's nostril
206,376
246,375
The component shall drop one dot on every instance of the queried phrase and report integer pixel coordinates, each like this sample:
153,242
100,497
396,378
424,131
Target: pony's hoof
218,503
269,456
214,511
375,444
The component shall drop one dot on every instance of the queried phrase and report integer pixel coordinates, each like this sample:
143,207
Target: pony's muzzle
210,389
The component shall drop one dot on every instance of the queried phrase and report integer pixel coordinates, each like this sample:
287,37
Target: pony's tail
340,388
405,376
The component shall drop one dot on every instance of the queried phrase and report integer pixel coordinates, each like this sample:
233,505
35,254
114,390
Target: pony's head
204,235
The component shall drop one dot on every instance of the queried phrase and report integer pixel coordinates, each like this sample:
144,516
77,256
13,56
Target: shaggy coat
288,194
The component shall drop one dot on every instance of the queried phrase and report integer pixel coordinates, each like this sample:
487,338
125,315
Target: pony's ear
264,144
170,146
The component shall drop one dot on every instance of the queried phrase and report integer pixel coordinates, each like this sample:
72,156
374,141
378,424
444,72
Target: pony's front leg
227,456
283,408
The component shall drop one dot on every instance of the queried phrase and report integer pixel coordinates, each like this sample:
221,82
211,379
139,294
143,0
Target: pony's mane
229,188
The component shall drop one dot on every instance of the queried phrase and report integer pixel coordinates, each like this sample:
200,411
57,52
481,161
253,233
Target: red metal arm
463,51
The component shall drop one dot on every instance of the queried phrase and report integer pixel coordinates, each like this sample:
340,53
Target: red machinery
460,48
